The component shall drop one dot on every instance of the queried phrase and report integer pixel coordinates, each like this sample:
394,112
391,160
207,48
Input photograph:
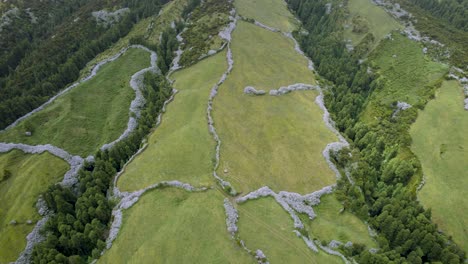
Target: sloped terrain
223,131
23,177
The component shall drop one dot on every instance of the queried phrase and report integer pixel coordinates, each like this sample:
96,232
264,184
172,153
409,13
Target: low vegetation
281,138
429,24
23,177
381,165
90,115
201,34
335,223
49,65
181,147
79,226
365,19
271,13
440,142
264,225
175,226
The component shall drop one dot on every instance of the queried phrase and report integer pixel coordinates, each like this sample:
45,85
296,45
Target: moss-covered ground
181,147
441,143
175,226
90,115
22,178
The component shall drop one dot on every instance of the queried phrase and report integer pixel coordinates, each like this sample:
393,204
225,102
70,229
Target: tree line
381,194
32,73
79,226
452,11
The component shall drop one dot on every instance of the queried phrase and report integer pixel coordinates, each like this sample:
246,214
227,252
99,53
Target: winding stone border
69,179
87,78
75,162
232,216
226,35
136,83
128,199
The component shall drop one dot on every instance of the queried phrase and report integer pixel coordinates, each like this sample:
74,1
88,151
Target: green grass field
274,141
29,175
441,144
369,16
90,115
406,77
181,148
174,226
273,13
264,225
331,224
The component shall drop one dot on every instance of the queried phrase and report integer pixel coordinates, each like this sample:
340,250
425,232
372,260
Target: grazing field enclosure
23,177
90,115
441,143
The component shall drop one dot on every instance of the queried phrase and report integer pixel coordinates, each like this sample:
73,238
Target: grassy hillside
175,226
405,73
271,13
365,17
264,225
181,147
281,138
22,178
92,114
333,224
441,143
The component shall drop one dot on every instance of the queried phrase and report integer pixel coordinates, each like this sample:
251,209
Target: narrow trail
76,162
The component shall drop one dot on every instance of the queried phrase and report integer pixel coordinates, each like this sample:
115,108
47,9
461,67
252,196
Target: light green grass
90,115
331,224
175,226
266,140
181,148
440,141
264,225
30,176
377,20
273,13
405,76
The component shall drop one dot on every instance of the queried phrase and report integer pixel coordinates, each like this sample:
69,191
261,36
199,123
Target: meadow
405,73
281,138
22,178
181,148
175,226
441,144
271,13
263,224
368,18
332,224
90,115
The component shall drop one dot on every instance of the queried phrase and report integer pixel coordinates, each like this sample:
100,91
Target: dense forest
381,194
453,11
41,56
79,226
